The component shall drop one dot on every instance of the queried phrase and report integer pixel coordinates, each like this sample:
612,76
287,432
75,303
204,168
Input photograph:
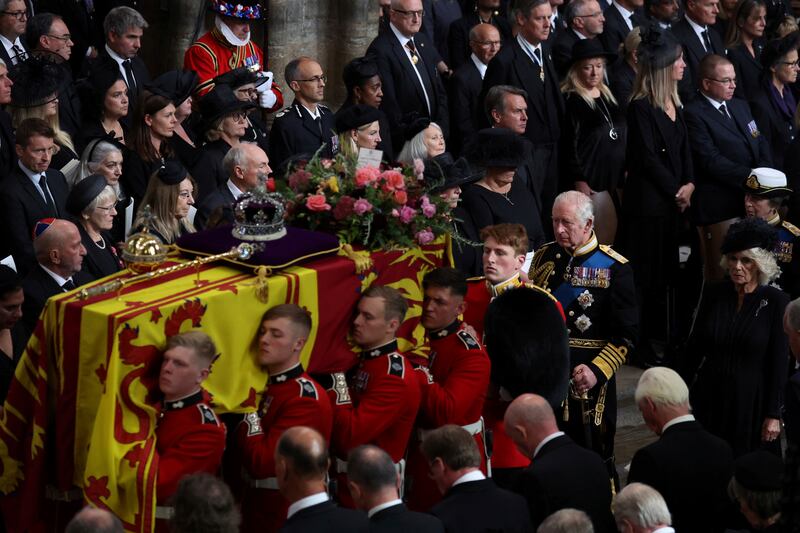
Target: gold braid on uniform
610,359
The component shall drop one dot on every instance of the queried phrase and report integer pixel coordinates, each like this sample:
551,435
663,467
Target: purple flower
362,206
407,214
425,236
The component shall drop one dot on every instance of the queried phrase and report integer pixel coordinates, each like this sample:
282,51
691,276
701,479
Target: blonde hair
572,84
765,261
61,137
656,85
163,199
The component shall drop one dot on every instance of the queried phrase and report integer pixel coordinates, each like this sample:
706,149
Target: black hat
588,49
415,125
497,147
358,71
759,471
775,49
220,101
171,172
84,192
355,116
241,76
658,48
37,81
747,233
767,183
9,280
177,85
443,173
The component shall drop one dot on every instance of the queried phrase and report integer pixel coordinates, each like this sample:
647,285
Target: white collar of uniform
308,501
677,420
228,34
235,191
664,25
698,29
314,115
626,15
384,505
545,441
400,37
591,244
475,475
713,102
58,279
775,220
528,47
480,65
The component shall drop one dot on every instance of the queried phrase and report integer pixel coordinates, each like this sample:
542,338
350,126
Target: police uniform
291,399
595,288
376,405
788,233
295,132
459,369
189,439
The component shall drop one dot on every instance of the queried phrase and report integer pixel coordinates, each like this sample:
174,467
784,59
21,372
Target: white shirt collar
677,420
235,191
113,55
7,44
579,34
698,29
665,529
475,475
58,279
308,501
713,102
381,507
34,177
528,47
626,15
400,37
480,65
545,440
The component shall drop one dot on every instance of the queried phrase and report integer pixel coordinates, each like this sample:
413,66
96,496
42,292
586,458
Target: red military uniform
459,368
379,407
480,293
189,439
291,399
212,55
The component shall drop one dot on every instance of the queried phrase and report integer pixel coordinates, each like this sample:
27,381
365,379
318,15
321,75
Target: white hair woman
425,140
738,350
104,157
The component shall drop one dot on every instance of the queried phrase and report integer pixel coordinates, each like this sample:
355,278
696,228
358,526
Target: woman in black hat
104,104
745,41
738,352
594,145
497,197
170,194
364,86
358,127
245,82
424,139
11,299
774,106
92,204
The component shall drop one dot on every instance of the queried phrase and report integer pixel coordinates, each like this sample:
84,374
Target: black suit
21,206
562,50
480,506
7,58
691,468
615,29
38,286
403,96
69,105
778,128
621,78
8,155
564,475
723,150
458,39
748,69
693,52
140,73
218,202
326,517
398,519
465,105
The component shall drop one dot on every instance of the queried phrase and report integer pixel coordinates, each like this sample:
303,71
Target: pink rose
362,206
428,209
316,202
393,180
299,180
400,197
366,176
425,236
407,214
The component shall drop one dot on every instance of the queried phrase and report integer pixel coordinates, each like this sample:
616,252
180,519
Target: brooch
583,323
586,299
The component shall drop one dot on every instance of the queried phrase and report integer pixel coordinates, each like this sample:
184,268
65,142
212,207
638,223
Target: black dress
136,174
99,262
748,69
743,357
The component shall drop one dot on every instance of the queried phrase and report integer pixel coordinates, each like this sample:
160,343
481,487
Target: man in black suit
485,42
374,483
526,64
460,40
32,191
59,257
8,156
301,469
85,28
621,17
562,474
664,12
585,20
412,86
726,145
244,164
124,27
689,466
471,503
698,39
13,15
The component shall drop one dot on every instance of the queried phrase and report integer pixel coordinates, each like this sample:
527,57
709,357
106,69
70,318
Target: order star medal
583,323
586,299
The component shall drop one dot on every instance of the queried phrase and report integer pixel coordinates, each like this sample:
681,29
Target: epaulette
794,230
396,366
544,247
470,342
619,258
323,106
282,112
307,388
253,422
208,416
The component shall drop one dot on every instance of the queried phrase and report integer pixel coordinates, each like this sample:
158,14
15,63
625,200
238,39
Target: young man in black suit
31,192
689,466
301,469
471,503
562,474
698,39
407,62
621,17
726,144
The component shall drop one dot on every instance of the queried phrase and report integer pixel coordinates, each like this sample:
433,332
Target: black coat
208,172
326,517
99,262
778,129
140,73
562,50
791,409
458,38
398,519
691,468
621,78
294,132
403,96
216,204
693,52
8,155
748,70
136,173
38,286
723,150
480,506
615,29
465,105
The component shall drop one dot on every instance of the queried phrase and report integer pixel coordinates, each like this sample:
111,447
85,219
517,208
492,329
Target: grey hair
767,265
793,314
524,8
567,521
662,386
571,10
415,148
121,18
584,209
236,157
107,194
94,154
642,505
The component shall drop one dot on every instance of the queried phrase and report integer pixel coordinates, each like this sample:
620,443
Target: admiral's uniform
459,368
376,405
595,288
189,439
291,399
789,262
295,132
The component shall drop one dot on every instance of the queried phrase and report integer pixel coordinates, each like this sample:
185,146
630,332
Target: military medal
583,323
586,299
414,58
541,72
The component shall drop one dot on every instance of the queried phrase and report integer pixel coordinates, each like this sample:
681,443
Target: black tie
68,285
419,65
724,111
132,89
318,120
707,41
19,54
538,53
47,198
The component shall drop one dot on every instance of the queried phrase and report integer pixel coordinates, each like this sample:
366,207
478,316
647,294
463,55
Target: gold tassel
262,283
361,259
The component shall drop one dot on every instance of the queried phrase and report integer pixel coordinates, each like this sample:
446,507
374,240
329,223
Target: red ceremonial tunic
291,399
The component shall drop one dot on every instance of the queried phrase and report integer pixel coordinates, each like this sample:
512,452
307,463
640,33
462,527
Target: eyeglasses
724,81
238,116
590,15
316,79
410,14
65,38
109,208
19,15
489,43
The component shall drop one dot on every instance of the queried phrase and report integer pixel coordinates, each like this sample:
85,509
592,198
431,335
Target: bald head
529,420
94,520
59,248
304,451
485,42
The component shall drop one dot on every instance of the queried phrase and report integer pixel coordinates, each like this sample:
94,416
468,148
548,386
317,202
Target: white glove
267,85
266,97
